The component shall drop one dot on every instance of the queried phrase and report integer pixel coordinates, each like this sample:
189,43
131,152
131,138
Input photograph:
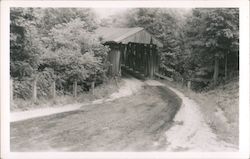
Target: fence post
53,89
75,89
11,90
182,82
93,87
189,85
34,89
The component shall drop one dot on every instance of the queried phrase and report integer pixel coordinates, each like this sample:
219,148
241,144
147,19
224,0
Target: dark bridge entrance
140,58
132,49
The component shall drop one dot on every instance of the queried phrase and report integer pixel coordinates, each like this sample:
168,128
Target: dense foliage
25,46
54,44
212,43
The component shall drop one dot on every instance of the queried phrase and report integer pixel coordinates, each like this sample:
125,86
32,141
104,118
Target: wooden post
145,59
128,55
118,62
189,85
182,82
75,89
34,89
134,58
151,67
156,59
11,90
53,89
93,87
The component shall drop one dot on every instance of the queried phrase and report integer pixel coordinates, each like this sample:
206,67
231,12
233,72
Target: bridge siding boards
114,58
134,48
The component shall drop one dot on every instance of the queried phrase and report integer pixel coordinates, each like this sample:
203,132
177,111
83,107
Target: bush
74,54
22,88
44,83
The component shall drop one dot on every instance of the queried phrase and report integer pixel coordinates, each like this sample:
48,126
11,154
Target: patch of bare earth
129,123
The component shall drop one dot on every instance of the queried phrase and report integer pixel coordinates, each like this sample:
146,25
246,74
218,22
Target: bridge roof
126,35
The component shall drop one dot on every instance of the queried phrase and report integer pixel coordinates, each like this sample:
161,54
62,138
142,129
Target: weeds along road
132,123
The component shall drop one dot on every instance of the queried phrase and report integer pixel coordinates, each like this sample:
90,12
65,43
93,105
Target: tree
25,46
211,35
74,53
50,17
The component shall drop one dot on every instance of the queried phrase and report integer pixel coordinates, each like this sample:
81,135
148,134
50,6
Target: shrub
22,88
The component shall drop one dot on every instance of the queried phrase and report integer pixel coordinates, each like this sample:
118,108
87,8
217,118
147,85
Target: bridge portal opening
131,49
141,60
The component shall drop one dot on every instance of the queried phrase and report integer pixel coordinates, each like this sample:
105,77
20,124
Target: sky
105,12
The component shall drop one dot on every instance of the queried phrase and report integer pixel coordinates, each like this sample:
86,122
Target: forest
201,45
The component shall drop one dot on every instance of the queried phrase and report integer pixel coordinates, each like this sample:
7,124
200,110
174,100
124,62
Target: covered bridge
133,49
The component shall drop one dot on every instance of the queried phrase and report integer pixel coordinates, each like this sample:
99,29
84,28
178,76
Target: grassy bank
220,108
101,91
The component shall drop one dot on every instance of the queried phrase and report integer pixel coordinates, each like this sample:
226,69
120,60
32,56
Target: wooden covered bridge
132,49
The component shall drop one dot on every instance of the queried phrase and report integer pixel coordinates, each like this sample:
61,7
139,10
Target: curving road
135,119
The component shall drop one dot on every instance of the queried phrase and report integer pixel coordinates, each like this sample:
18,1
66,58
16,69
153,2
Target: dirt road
189,131
129,123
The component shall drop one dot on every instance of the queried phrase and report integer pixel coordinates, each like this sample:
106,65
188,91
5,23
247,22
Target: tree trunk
226,75
216,70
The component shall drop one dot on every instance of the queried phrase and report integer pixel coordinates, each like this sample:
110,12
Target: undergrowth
101,91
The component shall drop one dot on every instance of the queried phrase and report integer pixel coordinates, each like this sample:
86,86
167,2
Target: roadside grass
101,91
220,108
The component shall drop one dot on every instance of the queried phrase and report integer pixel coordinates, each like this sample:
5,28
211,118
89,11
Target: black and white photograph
129,79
